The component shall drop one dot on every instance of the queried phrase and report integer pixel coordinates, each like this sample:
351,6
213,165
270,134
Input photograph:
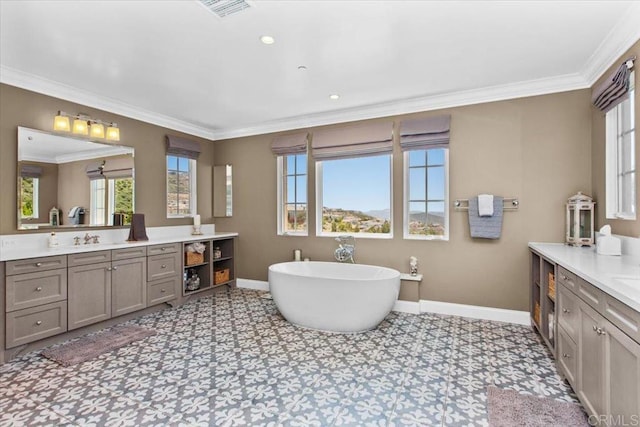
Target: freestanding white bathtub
335,297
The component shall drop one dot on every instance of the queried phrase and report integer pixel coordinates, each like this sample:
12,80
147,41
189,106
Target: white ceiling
176,64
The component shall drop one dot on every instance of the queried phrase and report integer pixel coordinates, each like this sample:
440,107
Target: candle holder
196,231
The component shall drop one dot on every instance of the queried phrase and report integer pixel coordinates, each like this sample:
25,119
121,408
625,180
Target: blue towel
486,227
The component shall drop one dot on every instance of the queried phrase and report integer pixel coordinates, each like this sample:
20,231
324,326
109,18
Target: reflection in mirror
64,181
222,191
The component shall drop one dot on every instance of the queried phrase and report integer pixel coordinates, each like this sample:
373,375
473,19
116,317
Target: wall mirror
65,181
222,191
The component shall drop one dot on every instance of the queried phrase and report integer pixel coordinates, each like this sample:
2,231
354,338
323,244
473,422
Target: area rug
508,408
94,345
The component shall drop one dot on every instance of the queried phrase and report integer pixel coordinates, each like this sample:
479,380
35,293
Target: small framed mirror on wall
222,191
65,181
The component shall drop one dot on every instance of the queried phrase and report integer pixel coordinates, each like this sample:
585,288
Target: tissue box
608,245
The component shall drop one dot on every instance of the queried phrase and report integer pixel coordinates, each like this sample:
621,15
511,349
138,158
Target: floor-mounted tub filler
334,297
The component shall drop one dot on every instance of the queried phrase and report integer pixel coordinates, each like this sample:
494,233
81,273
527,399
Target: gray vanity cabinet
89,296
591,360
128,286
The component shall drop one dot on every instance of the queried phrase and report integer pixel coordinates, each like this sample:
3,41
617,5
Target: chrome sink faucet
87,239
346,249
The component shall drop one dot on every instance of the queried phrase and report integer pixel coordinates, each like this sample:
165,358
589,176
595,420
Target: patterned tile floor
232,360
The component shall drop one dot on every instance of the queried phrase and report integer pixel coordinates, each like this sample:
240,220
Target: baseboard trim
475,312
412,307
258,285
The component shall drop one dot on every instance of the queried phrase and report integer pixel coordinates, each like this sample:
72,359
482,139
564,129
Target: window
97,206
292,195
181,186
425,209
29,197
620,158
354,196
120,200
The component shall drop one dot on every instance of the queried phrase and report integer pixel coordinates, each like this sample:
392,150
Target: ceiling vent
224,8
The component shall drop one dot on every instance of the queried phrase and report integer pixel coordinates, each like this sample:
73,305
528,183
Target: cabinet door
591,360
622,373
566,360
128,286
568,311
89,293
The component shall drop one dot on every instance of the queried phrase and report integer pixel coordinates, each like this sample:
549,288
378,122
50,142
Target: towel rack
511,204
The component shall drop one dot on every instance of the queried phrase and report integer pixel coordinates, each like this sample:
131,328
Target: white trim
475,312
31,82
623,35
258,285
412,307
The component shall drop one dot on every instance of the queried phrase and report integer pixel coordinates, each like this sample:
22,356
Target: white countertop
602,271
19,252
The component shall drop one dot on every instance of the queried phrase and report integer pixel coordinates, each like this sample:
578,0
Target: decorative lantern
580,220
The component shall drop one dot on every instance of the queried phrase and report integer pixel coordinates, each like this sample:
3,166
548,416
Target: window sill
428,238
294,234
359,235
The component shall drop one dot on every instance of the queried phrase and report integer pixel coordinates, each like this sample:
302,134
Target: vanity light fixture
85,125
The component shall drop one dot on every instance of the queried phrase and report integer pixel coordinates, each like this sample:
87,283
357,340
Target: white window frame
36,198
93,210
406,201
319,194
282,199
612,172
193,190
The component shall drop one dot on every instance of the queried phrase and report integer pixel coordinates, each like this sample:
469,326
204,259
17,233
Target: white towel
485,204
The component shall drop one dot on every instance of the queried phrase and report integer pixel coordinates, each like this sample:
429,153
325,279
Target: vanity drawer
167,248
623,317
32,265
162,266
33,324
89,258
567,357
567,311
591,295
33,289
128,253
567,278
160,291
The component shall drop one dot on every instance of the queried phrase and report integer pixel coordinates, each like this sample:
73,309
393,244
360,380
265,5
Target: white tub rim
392,273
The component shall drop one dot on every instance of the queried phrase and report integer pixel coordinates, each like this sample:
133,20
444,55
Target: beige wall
47,191
625,228
19,107
537,149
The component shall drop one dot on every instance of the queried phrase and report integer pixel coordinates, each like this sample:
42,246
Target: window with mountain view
29,197
354,196
181,186
292,191
426,199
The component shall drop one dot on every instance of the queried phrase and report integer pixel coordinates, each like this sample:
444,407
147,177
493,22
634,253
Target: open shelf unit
542,298
206,270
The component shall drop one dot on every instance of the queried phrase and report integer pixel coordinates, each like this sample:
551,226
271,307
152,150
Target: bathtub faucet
346,249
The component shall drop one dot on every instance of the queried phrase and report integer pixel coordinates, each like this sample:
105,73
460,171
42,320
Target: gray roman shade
353,141
290,144
424,133
614,89
118,167
30,171
177,146
94,170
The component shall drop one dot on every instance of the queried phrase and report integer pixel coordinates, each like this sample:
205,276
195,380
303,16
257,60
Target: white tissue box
608,245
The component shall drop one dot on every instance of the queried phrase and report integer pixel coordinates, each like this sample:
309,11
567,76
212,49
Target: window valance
290,144
353,141
119,167
177,146
30,171
614,89
424,133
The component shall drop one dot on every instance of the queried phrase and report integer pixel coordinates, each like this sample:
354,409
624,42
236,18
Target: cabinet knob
566,356
595,328
109,269
564,277
601,331
39,289
115,268
39,322
163,266
38,264
566,310
162,291
163,249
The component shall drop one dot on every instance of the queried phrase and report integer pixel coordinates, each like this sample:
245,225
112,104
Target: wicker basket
193,258
552,286
221,276
536,314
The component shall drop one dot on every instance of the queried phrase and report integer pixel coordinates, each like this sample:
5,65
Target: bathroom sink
628,284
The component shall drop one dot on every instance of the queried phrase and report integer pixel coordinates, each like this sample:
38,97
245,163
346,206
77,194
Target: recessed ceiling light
302,67
267,40
334,96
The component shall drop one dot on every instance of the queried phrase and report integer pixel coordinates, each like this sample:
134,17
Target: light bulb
97,130
80,127
61,123
113,133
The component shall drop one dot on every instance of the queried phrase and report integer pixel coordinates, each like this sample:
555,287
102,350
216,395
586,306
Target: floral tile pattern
231,360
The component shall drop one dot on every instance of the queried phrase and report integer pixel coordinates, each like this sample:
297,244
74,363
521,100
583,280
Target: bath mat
94,345
508,408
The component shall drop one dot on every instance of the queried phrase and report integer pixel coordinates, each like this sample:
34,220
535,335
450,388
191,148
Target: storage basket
552,286
221,276
193,258
536,314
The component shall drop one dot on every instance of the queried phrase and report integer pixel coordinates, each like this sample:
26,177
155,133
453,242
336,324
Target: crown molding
56,89
536,87
623,35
